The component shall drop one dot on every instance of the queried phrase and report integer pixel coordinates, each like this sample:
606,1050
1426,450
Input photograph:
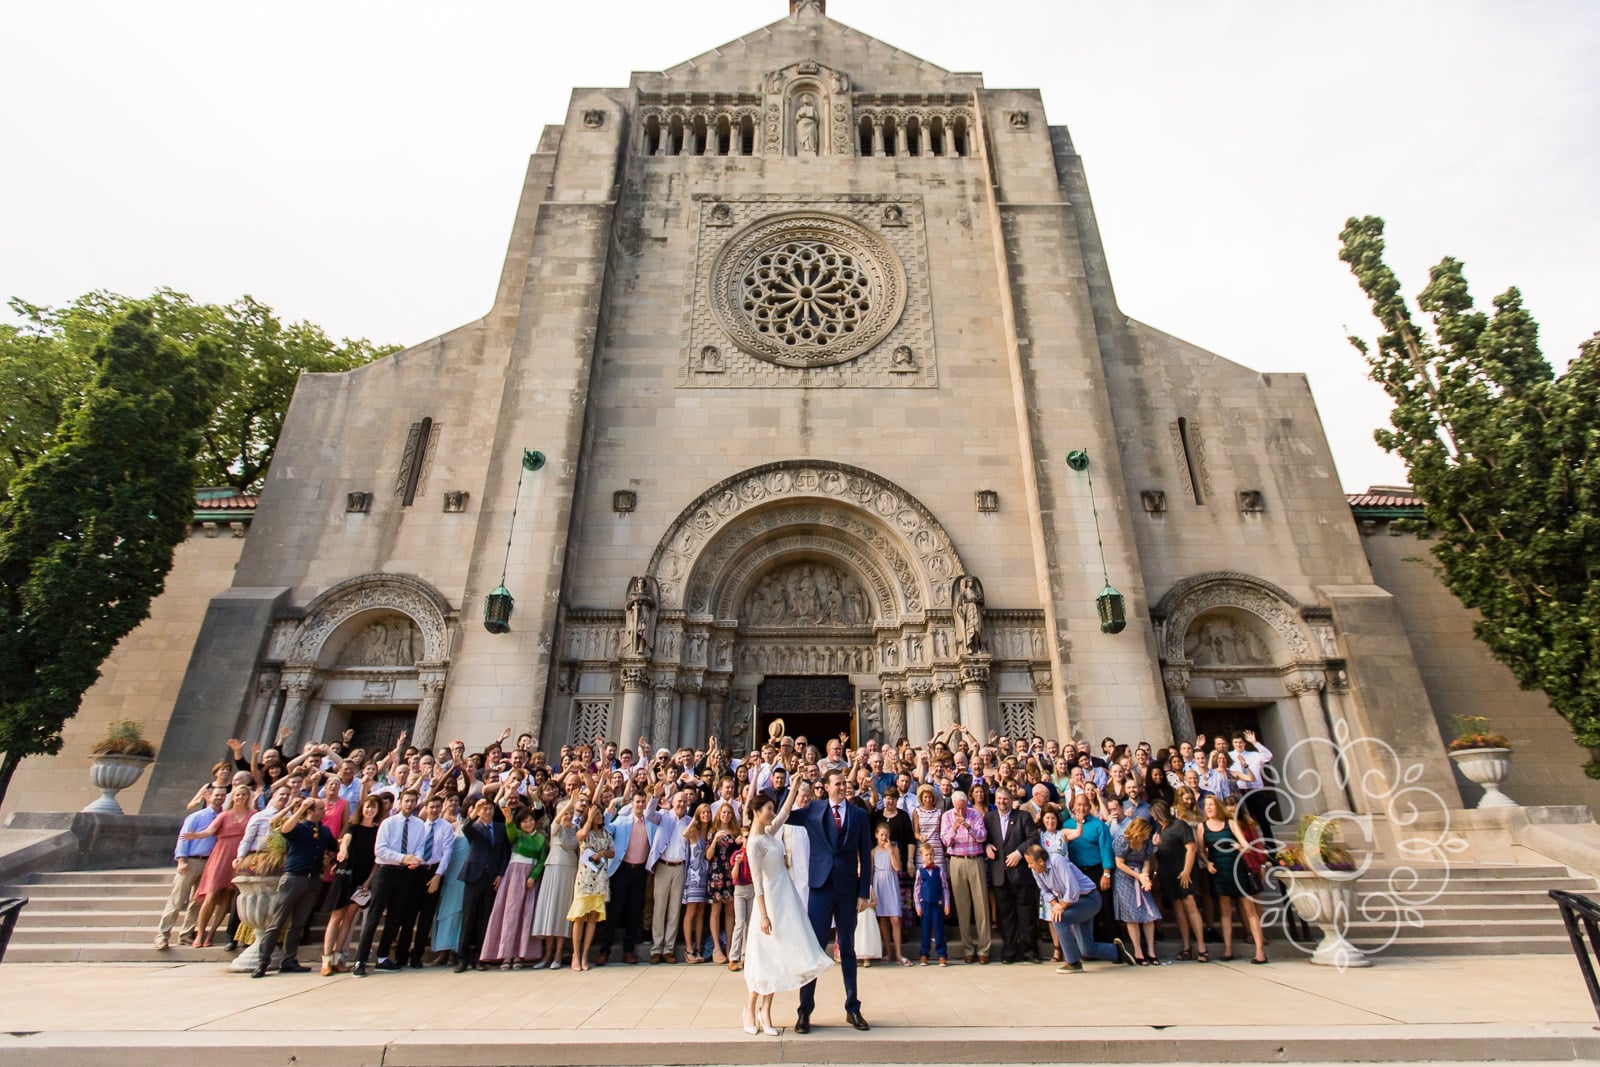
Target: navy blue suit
841,876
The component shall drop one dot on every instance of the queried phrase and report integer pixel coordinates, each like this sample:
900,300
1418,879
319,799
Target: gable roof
740,64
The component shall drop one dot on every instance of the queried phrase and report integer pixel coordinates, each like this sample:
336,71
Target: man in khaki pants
963,834
667,855
191,857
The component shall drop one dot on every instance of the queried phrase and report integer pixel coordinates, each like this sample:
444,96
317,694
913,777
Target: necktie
405,833
838,818
427,841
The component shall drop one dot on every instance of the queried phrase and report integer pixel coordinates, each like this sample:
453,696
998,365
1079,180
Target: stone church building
805,328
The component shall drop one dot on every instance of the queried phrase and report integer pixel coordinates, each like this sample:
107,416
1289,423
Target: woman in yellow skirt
593,886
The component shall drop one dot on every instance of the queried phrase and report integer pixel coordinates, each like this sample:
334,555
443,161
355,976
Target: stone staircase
1480,909
1471,909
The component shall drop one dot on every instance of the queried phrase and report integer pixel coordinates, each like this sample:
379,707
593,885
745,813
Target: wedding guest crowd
508,857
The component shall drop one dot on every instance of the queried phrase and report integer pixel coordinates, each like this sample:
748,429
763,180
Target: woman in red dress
216,881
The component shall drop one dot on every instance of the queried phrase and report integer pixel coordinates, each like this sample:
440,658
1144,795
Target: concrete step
142,933
1488,928
148,902
137,876
1420,945
85,889
142,951
1449,909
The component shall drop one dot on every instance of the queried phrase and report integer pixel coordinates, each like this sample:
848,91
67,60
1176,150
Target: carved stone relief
806,594
397,593
1216,639
764,657
1196,596
390,642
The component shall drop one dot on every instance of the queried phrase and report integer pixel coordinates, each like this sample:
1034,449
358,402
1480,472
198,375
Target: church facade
804,330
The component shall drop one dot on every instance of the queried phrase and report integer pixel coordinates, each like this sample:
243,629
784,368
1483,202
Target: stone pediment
807,36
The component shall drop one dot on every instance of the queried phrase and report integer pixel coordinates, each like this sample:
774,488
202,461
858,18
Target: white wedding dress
789,957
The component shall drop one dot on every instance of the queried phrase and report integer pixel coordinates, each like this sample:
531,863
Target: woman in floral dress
725,841
592,886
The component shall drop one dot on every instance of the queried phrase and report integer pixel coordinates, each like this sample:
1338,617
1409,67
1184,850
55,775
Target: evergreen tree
1505,455
88,532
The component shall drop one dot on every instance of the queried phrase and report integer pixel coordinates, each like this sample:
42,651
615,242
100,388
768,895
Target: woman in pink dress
216,881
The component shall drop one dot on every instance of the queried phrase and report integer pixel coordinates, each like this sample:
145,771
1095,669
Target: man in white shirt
260,824
1247,767
668,851
401,839
440,836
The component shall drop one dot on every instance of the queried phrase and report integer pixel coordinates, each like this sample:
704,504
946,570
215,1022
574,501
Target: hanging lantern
497,611
1113,617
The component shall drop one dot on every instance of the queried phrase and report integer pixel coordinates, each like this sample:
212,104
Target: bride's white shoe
765,1019
750,1024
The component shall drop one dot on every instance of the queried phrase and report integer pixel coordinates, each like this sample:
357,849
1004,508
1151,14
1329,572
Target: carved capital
1304,681
1043,680
635,680
921,688
893,694
268,682
1175,679
974,675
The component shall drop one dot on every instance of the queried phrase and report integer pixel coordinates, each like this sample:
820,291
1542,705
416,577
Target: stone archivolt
688,559
374,592
1196,596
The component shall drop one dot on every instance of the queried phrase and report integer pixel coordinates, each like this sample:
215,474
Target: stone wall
1462,678
139,681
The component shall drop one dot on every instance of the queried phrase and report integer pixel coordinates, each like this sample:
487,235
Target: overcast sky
357,164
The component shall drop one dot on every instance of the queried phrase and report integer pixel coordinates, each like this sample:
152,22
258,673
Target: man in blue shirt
307,844
191,856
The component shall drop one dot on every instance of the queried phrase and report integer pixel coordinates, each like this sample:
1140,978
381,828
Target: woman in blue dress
1136,902
446,937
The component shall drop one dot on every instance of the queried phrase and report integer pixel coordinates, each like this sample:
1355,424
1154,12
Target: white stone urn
112,773
1324,899
1487,767
257,894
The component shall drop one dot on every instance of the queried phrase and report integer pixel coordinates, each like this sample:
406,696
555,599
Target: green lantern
1113,617
497,611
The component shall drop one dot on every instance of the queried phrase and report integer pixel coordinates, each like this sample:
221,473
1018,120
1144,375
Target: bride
781,952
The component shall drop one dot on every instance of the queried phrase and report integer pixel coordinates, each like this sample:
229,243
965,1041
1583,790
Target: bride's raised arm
783,812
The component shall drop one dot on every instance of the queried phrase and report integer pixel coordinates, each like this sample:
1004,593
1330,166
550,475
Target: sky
358,164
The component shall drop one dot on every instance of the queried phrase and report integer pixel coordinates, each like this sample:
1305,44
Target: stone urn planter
112,773
1487,767
1325,899
256,896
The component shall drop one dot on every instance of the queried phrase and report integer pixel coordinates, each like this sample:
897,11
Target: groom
841,886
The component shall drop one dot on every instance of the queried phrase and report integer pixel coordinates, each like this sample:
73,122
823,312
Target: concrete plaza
1531,1008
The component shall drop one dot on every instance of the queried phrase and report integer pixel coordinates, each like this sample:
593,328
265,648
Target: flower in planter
1316,848
125,738
1472,731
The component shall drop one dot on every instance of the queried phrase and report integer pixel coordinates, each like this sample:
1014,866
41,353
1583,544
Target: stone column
691,716
1306,685
975,698
894,712
944,704
259,724
919,711
432,680
1175,679
635,702
301,683
877,137
661,734
716,711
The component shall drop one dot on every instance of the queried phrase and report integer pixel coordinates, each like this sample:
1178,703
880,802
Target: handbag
869,943
361,897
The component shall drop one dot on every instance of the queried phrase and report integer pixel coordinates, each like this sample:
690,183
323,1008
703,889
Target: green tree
1505,454
87,535
45,364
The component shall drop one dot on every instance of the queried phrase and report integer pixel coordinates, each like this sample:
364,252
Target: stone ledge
832,1043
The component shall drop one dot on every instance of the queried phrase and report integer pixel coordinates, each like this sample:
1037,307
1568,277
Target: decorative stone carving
1018,718
1222,640
808,658
988,501
594,118
903,360
806,594
624,500
393,592
805,289
1195,596
869,708
894,215
1043,681
1251,501
975,676
1018,120
966,597
641,616
387,643
735,560
1229,688
455,500
710,360
1154,500
635,679
720,215
707,534
432,683
661,715
358,503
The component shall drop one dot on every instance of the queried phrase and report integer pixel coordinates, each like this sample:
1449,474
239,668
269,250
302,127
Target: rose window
806,290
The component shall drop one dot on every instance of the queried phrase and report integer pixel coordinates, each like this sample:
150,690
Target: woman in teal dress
452,891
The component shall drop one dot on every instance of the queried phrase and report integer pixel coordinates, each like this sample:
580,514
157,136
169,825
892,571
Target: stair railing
10,908
1582,918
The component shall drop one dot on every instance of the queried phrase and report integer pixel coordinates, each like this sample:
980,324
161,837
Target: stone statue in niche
806,594
966,597
390,643
941,644
641,617
1218,641
805,126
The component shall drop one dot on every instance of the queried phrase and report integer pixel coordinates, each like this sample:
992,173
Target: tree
1505,455
45,365
87,535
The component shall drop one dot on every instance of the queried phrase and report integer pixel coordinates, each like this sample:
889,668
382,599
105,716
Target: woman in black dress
352,867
